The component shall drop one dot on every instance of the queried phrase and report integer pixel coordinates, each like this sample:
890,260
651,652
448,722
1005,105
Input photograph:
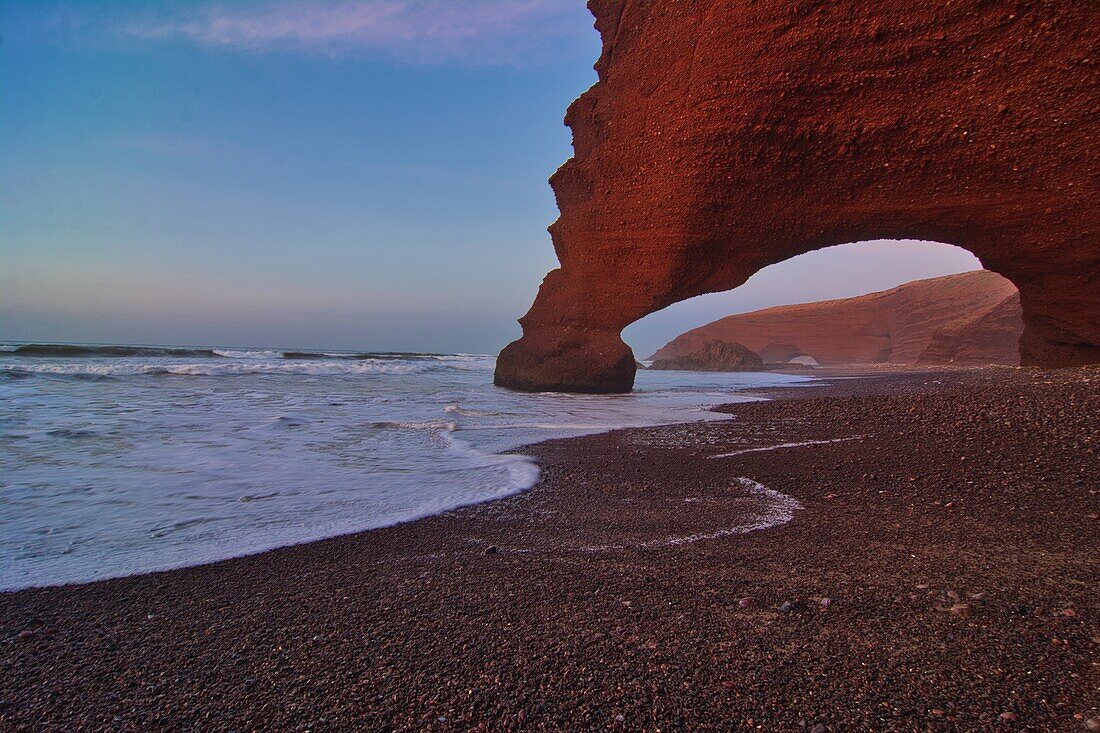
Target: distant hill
970,318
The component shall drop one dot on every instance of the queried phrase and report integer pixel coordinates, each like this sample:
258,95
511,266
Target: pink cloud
420,31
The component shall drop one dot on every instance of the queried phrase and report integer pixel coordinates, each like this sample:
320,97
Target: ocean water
122,460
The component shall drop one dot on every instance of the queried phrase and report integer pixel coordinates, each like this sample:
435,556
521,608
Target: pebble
26,634
1092,724
491,550
1008,717
826,602
980,597
953,595
819,728
787,607
744,602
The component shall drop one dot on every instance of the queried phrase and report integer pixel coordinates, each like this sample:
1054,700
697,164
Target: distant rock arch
724,137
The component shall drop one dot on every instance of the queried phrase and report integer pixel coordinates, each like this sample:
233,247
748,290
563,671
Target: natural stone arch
725,136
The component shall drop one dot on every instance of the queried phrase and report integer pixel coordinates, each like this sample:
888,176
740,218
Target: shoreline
422,626
746,393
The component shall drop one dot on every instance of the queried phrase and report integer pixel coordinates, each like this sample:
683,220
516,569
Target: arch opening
881,302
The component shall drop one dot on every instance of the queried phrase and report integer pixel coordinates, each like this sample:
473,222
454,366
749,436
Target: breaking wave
21,361
79,350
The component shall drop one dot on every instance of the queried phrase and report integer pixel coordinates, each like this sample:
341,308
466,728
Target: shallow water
114,462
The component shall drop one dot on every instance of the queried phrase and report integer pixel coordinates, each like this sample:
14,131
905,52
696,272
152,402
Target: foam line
785,445
778,510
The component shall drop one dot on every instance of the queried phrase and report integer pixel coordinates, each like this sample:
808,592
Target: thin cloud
478,32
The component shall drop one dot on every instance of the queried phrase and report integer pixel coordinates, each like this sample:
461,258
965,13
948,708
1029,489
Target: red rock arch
724,136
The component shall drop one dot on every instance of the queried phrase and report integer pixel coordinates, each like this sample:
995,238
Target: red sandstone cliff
972,318
723,137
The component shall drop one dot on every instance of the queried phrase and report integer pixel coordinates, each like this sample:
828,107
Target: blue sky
347,174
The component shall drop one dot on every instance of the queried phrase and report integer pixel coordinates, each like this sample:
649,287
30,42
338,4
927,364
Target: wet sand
940,575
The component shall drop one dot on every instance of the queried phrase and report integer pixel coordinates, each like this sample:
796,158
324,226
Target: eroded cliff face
726,136
970,318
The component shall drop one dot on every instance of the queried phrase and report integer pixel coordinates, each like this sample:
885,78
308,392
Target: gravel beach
939,573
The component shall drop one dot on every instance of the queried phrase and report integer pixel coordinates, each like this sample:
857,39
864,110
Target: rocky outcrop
971,318
723,137
985,338
714,356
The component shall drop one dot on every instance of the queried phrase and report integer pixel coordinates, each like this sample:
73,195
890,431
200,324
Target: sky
359,174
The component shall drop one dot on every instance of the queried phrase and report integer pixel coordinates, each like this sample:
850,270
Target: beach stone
744,602
961,609
26,634
491,550
1008,717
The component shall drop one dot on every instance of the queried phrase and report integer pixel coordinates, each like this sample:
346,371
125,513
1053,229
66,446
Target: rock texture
725,136
971,318
714,356
989,338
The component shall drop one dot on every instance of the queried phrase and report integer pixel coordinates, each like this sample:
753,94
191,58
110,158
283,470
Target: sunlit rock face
723,137
970,318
